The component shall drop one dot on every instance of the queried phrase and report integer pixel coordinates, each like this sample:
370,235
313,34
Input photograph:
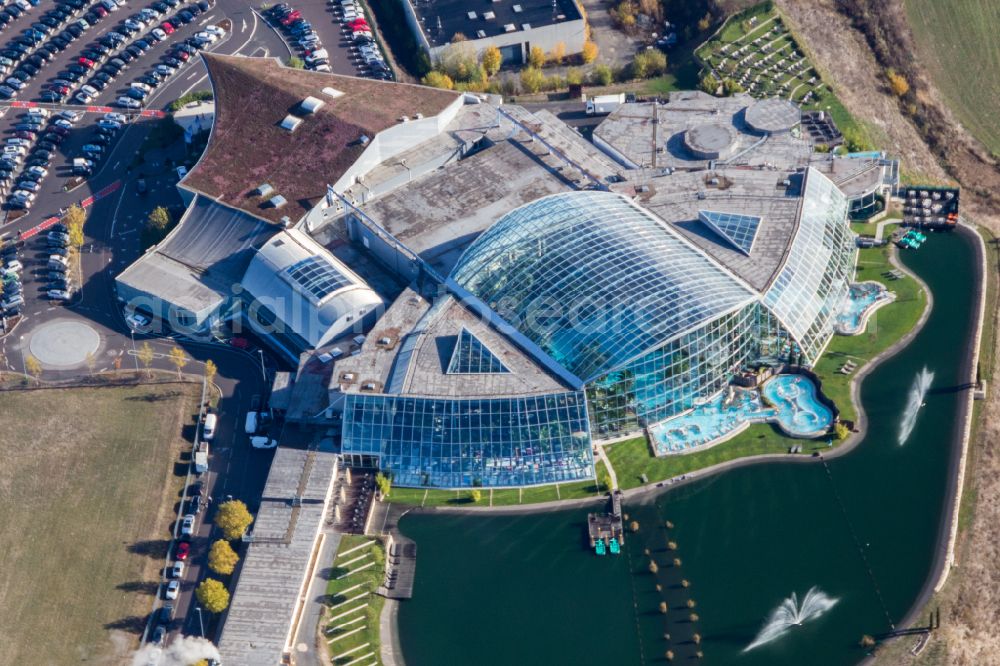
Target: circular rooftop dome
772,115
711,141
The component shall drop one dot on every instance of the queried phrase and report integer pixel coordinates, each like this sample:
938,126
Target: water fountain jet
790,613
921,384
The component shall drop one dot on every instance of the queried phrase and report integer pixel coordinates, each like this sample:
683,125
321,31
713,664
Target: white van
251,425
208,430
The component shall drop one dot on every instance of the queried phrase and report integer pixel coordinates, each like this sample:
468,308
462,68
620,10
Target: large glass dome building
640,315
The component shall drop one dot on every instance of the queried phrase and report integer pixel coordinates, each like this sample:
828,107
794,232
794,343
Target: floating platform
605,530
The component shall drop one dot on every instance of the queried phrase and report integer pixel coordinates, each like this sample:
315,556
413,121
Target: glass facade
461,443
594,280
669,380
814,281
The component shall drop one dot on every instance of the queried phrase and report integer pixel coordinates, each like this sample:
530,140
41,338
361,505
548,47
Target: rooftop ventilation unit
525,26
277,201
263,190
290,123
472,16
481,34
509,27
418,116
332,92
286,221
517,9
364,141
489,16
311,104
404,119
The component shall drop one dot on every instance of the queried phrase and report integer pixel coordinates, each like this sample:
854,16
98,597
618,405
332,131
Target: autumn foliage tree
222,558
492,59
898,83
589,53
212,595
536,57
437,79
233,518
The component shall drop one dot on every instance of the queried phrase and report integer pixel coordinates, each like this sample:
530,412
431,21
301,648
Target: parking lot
330,35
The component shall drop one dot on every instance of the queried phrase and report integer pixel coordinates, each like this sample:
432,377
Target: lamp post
263,374
201,624
24,366
135,355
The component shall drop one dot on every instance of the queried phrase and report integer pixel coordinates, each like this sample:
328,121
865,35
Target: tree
476,495
730,87
709,84
843,432
210,370
900,86
33,366
296,63
649,63
557,53
603,75
384,484
145,356
492,59
159,219
74,220
178,358
589,53
532,79
222,558
213,595
705,23
536,56
436,79
233,519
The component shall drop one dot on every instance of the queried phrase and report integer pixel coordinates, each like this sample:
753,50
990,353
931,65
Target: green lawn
632,458
352,625
90,483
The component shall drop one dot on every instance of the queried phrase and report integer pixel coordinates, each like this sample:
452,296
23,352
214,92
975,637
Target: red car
167,27
86,62
291,18
182,551
100,11
358,23
181,55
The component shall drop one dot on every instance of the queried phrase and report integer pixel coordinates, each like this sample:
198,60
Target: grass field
87,494
957,42
352,628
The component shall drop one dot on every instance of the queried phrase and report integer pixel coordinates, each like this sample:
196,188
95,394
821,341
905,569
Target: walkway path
607,463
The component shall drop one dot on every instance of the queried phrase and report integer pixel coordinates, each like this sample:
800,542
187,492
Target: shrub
557,53
590,52
649,63
296,63
603,75
843,432
898,83
532,79
709,84
436,79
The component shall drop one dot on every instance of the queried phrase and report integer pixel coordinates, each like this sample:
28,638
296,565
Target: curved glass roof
594,280
814,280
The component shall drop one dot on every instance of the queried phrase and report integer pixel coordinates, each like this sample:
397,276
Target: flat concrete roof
423,338
659,135
854,176
439,215
675,200
285,529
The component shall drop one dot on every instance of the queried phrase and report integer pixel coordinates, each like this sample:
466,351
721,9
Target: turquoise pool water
799,411
862,299
796,409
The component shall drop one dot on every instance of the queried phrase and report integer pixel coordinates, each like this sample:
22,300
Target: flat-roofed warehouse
514,26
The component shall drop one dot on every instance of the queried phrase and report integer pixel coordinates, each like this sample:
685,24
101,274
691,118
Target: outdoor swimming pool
862,299
798,410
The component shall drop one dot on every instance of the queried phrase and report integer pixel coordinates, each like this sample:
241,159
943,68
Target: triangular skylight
739,230
472,357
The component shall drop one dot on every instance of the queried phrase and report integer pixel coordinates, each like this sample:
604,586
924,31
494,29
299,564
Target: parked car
177,571
173,590
187,525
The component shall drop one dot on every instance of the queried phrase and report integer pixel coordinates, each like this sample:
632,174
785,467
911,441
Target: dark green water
524,590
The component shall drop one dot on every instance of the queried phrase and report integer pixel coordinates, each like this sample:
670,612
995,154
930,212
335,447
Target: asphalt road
111,242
